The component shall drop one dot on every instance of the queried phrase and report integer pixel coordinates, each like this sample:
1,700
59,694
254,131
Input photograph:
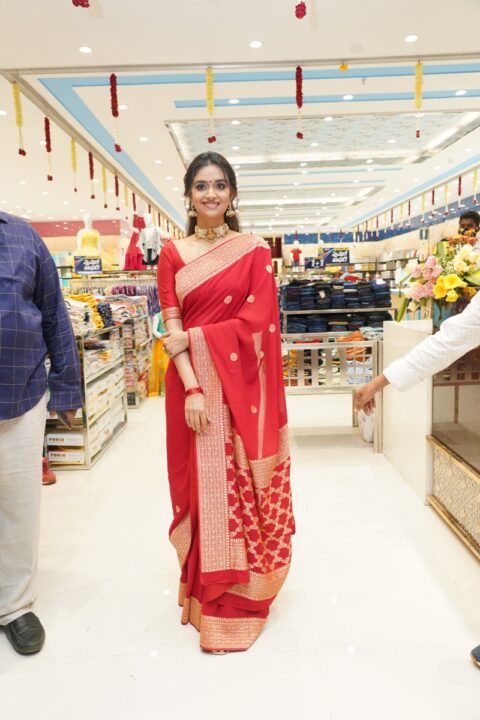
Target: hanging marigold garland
210,104
418,85
446,191
475,183
73,162
81,3
300,10
91,170
299,99
48,148
17,101
149,209
125,196
409,210
104,186
134,202
459,191
114,106
433,203
117,192
343,67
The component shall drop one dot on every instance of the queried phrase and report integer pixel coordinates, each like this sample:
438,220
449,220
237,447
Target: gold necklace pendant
211,235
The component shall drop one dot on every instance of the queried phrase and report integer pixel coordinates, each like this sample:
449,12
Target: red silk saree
230,487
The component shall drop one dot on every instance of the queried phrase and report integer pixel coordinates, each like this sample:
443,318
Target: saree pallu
230,487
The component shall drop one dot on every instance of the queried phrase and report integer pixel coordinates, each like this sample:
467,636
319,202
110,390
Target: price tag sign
84,265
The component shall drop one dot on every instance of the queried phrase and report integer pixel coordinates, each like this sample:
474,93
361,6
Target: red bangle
193,391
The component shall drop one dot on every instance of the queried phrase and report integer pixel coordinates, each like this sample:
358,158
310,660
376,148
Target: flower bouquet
445,278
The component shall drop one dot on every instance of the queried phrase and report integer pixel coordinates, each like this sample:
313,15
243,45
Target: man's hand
364,397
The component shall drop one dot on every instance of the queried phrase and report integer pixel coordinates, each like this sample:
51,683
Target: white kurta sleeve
457,336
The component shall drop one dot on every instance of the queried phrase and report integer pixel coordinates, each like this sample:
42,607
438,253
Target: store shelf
108,368
342,311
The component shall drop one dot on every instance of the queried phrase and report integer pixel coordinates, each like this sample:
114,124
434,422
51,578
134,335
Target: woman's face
211,195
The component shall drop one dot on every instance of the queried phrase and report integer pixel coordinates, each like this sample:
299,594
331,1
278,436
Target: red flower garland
81,3
114,105
149,209
117,191
48,147
433,202
91,169
459,191
299,99
300,10
134,202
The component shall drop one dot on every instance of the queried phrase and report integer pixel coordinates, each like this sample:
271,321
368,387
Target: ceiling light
285,196
40,215
411,38
356,181
296,183
391,141
415,179
304,172
3,112
437,167
123,107
22,182
369,161
304,164
65,202
461,92
158,162
17,207
329,118
235,147
237,167
234,101
95,180
314,144
236,122
45,192
169,177
85,50
370,169
397,190
348,97
255,44
468,149
333,194
143,139
175,189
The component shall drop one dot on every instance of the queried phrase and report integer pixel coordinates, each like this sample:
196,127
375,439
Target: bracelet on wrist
193,391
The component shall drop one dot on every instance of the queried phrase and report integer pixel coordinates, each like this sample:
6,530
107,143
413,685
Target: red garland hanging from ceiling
81,3
91,170
134,202
48,148
299,99
117,191
114,106
300,10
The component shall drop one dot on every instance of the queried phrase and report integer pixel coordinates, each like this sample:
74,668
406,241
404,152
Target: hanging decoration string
459,191
48,148
433,203
149,209
475,183
424,204
91,170
418,85
409,212
417,131
73,162
117,192
445,189
125,196
299,99
17,101
104,186
114,106
210,104
300,10
81,3
134,202
343,67
401,215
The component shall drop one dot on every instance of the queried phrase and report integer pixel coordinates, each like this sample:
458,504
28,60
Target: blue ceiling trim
425,187
321,172
274,75
317,99
65,95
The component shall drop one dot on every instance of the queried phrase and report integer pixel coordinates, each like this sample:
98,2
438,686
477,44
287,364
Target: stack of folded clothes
337,297
365,294
308,297
291,296
355,322
381,292
297,324
351,295
317,324
338,323
376,319
323,291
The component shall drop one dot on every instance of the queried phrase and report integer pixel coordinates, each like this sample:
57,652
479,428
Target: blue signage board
84,265
336,257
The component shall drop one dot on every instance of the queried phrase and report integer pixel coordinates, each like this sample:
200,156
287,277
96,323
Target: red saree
230,487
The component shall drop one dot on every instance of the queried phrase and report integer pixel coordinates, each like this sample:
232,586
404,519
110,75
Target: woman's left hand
175,342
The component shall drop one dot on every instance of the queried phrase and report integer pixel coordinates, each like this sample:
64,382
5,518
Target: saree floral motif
230,487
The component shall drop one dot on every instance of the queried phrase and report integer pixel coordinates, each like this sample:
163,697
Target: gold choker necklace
211,234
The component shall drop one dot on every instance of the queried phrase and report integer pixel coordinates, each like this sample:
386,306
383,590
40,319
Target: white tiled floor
376,620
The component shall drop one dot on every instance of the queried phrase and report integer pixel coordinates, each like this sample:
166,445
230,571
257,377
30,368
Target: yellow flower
452,281
439,290
460,266
451,296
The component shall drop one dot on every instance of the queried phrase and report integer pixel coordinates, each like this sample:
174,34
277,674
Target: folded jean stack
381,292
338,301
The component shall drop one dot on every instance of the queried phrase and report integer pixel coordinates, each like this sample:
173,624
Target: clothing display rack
138,338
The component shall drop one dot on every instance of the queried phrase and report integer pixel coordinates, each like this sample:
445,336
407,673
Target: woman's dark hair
211,158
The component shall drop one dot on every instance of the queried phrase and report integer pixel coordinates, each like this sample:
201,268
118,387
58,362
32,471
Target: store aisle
376,620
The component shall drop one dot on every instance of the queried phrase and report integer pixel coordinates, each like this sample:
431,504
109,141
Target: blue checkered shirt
34,322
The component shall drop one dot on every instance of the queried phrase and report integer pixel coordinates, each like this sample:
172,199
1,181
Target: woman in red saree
227,437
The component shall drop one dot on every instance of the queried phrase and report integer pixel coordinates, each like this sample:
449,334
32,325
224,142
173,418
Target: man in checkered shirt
34,323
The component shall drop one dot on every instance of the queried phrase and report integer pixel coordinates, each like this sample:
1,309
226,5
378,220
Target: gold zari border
181,539
171,313
262,587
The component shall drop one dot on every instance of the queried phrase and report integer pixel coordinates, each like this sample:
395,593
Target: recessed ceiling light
158,162
104,217
85,50
3,112
304,164
95,180
461,92
397,190
437,167
333,194
175,189
45,192
22,182
123,107
237,167
304,172
234,101
236,122
391,141
314,144
235,147
329,118
17,207
285,197
415,179
370,169
169,177
65,202
369,161
411,38
296,183
348,97
143,139
40,215
255,44
110,192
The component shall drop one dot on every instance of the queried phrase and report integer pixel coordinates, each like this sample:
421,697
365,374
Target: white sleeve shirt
457,336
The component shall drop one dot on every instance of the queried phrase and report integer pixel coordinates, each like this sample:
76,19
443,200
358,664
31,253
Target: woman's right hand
196,415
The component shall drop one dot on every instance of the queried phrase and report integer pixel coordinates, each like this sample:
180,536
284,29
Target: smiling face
210,196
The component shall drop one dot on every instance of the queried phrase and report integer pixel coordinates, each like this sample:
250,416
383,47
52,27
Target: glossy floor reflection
376,620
